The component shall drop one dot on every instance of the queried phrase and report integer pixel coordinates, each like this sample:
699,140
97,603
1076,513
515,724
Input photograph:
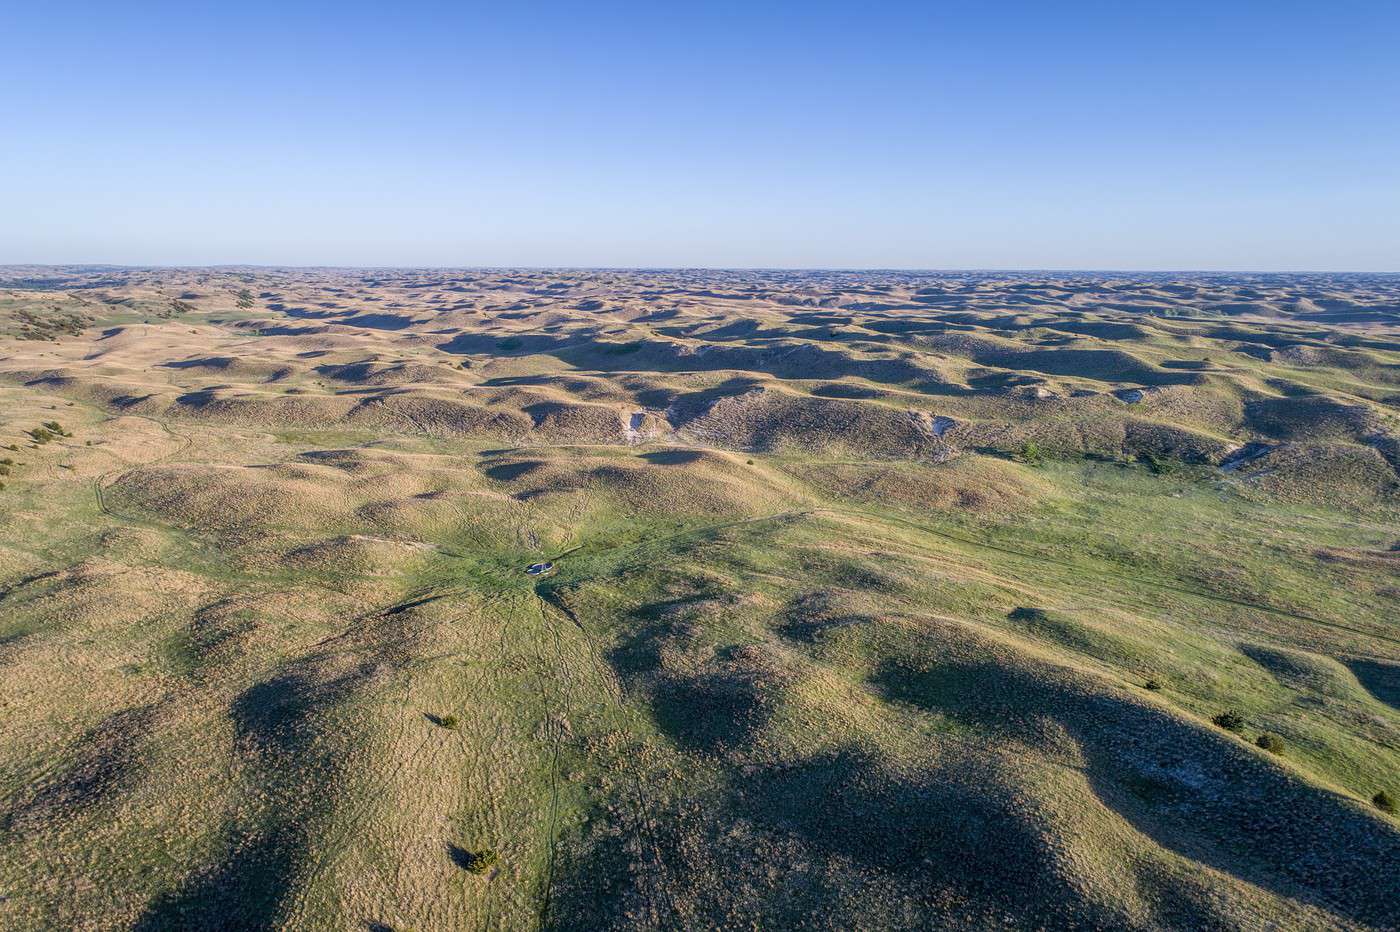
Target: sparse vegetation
47,323
46,432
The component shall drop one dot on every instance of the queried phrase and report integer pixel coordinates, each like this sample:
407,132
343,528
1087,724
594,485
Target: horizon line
687,268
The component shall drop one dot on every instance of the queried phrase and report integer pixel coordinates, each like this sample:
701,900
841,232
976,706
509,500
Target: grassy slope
797,703
617,716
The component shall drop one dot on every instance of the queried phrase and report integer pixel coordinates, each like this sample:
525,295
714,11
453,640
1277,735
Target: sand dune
862,600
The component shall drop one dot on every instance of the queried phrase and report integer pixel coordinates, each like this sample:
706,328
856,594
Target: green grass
889,709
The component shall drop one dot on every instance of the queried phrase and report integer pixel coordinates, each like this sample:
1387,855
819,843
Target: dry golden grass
876,601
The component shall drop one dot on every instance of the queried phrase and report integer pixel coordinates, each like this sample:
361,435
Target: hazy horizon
376,267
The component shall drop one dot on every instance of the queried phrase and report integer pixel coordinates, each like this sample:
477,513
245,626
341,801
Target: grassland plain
879,600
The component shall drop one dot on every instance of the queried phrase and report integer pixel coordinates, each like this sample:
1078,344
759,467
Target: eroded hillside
876,600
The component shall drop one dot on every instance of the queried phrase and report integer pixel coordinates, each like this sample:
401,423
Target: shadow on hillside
1192,791
1379,678
247,890
675,457
279,726
105,762
943,843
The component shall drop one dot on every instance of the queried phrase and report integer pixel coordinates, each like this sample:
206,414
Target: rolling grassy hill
879,600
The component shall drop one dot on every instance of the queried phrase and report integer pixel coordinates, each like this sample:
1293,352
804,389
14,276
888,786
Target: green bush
1027,614
40,434
1384,802
479,862
1152,683
448,721
1230,721
1156,464
1270,742
1031,454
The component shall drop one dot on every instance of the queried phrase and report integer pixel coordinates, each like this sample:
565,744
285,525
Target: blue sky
1132,135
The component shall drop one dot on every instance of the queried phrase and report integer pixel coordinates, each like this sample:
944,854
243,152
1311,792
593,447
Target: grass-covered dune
874,601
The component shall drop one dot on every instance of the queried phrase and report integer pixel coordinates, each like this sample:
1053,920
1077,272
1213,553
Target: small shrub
1025,613
1270,742
448,721
1230,721
1031,454
750,462
1154,463
1153,683
479,862
40,434
1384,802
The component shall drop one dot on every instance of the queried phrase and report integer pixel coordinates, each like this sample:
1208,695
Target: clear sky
1131,135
